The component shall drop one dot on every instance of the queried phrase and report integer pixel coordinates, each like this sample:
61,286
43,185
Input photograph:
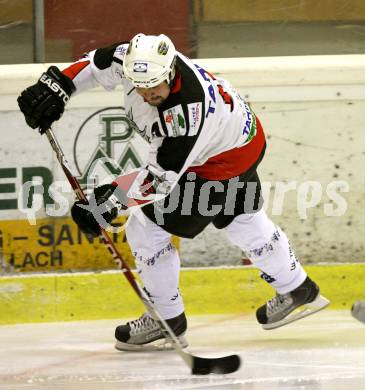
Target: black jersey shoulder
104,56
182,118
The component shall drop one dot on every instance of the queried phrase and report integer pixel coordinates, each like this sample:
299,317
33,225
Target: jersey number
227,98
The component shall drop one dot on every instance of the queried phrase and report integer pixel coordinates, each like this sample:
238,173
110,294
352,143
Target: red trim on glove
124,182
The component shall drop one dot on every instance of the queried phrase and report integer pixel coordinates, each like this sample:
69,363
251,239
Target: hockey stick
198,365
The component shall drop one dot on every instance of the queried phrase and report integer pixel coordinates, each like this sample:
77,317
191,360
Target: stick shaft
81,196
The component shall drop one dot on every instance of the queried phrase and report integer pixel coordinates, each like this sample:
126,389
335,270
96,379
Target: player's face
156,95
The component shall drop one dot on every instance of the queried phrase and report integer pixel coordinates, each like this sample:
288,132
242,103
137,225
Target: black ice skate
145,334
358,311
286,308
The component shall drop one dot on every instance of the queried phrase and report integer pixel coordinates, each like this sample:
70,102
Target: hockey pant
158,262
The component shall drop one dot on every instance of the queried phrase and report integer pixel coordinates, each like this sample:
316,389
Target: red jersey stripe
232,162
73,70
177,83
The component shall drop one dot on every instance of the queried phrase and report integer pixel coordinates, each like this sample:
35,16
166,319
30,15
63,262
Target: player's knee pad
251,231
268,248
259,238
145,238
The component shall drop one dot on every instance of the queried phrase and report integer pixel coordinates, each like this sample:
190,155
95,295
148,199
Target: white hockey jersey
203,126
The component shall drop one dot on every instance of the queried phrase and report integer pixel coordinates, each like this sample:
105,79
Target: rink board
85,296
57,244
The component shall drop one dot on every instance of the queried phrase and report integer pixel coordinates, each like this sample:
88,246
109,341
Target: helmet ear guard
150,60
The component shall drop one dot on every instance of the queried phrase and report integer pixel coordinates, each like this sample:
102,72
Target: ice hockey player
205,147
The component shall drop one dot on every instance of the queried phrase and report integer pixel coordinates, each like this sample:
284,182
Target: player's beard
156,101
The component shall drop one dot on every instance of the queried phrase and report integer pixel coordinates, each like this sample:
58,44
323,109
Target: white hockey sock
160,276
269,249
158,264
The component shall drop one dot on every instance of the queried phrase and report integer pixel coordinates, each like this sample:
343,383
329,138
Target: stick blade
222,365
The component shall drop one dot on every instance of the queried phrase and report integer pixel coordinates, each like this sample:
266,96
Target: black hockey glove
44,102
106,201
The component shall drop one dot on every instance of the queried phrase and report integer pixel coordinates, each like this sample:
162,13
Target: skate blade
358,311
302,311
157,345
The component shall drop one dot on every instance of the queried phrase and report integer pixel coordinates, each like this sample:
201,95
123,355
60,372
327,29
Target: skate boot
286,308
358,311
145,334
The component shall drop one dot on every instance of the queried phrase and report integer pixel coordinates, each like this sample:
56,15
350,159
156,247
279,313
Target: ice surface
325,351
